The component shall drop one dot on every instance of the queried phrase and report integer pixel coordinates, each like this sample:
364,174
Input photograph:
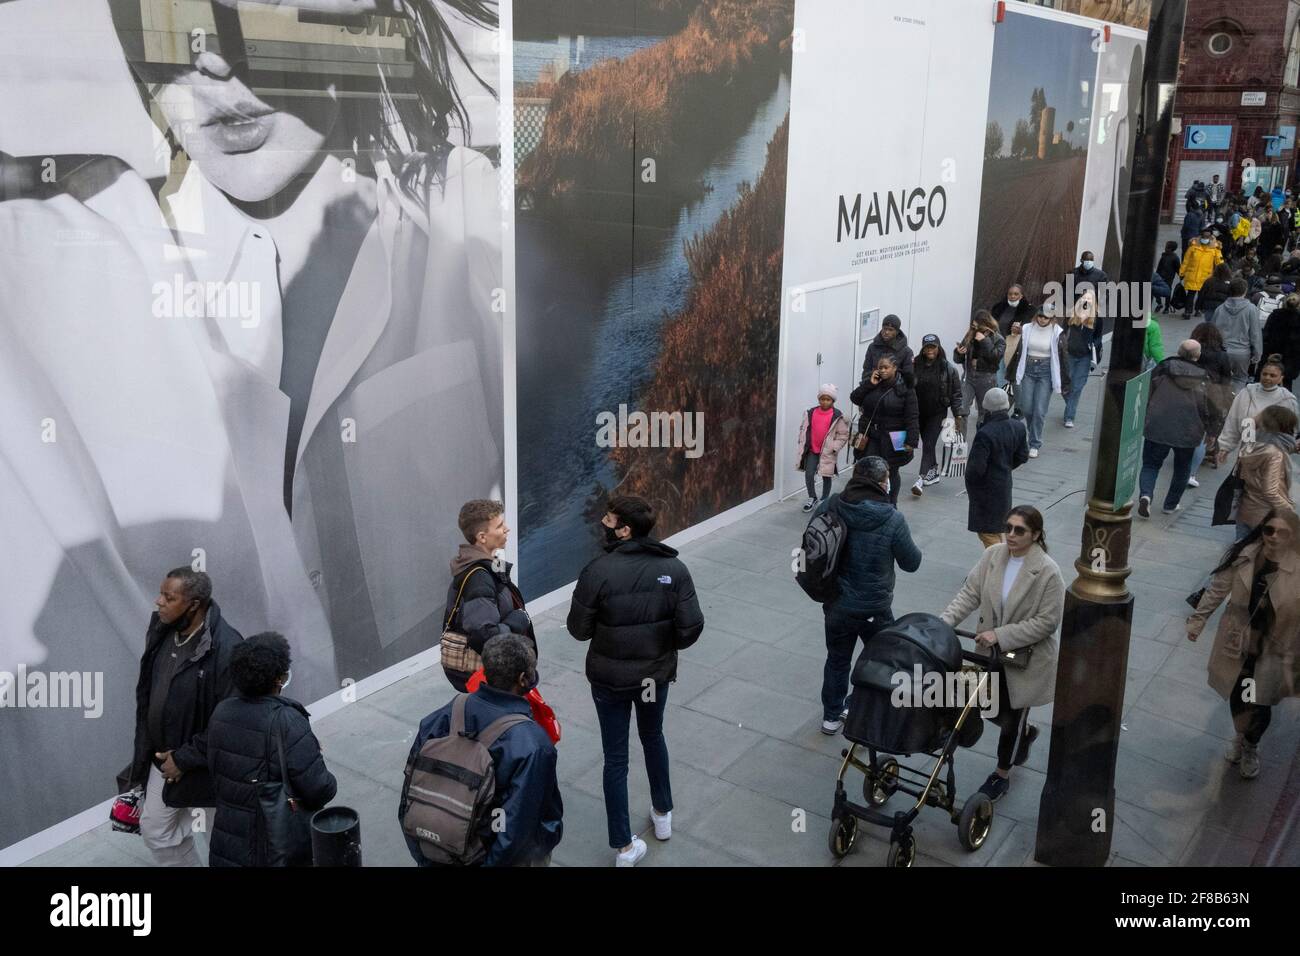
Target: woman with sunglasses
1019,593
1255,661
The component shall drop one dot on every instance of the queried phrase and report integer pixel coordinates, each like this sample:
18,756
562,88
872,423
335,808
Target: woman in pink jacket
823,432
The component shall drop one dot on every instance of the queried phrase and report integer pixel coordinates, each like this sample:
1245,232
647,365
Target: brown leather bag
457,655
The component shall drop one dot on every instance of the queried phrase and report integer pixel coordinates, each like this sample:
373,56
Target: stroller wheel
901,855
976,821
844,833
877,788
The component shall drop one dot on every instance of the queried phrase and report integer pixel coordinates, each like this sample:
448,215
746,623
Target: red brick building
1238,85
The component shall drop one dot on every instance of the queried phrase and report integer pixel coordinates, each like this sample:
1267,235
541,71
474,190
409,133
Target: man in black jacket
636,604
890,341
241,746
184,674
482,601
1001,445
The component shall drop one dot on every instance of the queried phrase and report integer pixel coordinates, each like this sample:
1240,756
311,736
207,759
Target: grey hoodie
1238,321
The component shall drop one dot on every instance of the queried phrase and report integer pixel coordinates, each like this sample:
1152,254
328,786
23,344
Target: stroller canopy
913,639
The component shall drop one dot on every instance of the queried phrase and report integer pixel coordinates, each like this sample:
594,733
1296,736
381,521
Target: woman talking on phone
980,353
1020,595
889,425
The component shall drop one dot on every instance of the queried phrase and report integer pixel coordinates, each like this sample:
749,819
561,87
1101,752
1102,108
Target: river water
575,53
609,327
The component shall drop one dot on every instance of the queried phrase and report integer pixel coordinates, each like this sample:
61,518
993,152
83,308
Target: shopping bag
543,714
954,458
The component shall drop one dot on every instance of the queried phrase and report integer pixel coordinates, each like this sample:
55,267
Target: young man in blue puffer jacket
878,538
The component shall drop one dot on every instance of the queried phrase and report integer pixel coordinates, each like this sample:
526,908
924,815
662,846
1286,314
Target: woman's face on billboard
249,146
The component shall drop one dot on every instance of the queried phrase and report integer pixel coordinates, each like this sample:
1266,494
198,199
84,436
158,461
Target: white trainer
633,856
1033,453
663,824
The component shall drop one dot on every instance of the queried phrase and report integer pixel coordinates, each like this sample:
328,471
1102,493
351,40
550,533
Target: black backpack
823,543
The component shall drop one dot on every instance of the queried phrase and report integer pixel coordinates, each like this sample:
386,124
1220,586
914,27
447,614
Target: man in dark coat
1015,308
531,821
878,538
482,601
636,604
890,341
184,674
1178,418
241,747
1193,221
1001,445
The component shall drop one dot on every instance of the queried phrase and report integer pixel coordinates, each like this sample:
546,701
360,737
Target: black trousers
1250,719
1013,725
930,430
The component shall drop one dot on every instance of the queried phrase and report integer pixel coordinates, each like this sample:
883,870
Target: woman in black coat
888,404
1216,290
1214,360
1282,337
241,751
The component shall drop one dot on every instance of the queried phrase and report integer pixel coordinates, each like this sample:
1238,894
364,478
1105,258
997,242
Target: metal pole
1076,815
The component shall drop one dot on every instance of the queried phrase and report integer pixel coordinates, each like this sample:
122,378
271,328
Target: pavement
749,763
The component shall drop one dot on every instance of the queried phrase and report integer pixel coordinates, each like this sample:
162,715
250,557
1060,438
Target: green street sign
1129,460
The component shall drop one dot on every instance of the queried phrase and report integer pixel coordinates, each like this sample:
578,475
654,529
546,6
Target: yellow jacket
1243,229
1198,265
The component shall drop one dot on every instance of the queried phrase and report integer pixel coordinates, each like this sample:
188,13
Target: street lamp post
1076,814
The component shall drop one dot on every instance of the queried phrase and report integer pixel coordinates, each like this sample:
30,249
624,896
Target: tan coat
1031,617
1266,470
1276,675
835,440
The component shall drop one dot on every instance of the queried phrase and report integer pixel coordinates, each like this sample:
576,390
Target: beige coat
835,440
1276,674
1031,617
1266,470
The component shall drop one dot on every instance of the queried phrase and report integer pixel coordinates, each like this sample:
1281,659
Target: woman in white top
1039,372
1252,400
1020,595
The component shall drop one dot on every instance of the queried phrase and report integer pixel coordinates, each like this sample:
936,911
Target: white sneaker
663,824
1193,483
832,727
1249,766
916,488
1033,453
633,856
810,504
1233,753
1069,423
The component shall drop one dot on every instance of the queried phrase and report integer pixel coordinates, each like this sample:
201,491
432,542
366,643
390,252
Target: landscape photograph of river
602,267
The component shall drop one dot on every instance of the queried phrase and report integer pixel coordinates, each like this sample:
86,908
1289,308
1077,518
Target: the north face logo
665,579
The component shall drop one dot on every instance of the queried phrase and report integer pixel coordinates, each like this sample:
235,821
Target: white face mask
1087,264
1013,303
288,676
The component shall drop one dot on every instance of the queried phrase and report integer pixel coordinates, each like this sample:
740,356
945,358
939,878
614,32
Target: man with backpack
480,785
875,537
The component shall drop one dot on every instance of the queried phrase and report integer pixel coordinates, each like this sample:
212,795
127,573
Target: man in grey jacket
1238,321
1178,417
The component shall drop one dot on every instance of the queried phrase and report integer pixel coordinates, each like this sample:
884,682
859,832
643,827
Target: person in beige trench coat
1255,661
1020,595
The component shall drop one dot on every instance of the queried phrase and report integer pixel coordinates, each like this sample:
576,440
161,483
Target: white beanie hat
995,400
830,390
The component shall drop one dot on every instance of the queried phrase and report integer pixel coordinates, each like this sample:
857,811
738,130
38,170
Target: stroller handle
990,661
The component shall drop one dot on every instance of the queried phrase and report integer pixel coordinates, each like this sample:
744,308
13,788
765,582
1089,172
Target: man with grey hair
530,822
1178,417
184,674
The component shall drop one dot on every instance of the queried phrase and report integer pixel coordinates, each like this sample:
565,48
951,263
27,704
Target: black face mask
611,538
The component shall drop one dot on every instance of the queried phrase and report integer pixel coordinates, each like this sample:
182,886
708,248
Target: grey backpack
450,785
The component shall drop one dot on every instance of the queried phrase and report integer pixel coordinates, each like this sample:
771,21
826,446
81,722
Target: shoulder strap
489,734
458,715
276,730
460,594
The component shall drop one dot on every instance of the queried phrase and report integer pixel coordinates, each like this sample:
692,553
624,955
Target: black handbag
284,824
1226,497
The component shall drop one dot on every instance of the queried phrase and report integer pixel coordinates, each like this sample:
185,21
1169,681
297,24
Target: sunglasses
1270,531
1015,529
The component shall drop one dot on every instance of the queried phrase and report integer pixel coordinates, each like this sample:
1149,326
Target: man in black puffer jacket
890,341
637,606
241,748
482,601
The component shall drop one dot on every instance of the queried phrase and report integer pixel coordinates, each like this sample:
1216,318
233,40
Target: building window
1220,43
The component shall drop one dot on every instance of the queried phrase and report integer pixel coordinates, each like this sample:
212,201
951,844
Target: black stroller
890,714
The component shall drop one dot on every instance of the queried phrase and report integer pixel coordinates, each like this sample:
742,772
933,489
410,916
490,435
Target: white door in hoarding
1190,170
821,341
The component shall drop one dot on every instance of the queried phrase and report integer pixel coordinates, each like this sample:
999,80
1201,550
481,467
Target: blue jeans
614,711
1153,457
1080,366
1033,395
1198,456
842,633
